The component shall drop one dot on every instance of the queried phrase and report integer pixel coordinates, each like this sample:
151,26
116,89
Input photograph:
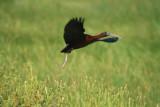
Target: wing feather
74,31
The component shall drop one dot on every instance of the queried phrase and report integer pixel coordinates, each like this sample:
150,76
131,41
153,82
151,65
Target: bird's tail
67,49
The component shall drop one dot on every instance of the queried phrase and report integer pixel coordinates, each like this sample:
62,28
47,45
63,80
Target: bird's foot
65,60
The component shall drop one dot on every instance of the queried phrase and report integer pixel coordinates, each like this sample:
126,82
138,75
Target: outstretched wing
74,31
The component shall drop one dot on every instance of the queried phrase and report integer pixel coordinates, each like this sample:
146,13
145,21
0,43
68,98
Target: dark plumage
74,31
75,37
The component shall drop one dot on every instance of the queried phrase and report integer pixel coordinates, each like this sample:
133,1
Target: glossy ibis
75,37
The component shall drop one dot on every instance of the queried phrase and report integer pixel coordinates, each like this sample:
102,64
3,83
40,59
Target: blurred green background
124,74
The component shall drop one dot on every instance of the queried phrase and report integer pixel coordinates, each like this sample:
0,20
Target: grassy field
124,74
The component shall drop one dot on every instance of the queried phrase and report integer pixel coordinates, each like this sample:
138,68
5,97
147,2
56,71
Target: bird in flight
75,36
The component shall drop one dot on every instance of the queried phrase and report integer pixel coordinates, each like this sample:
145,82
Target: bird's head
109,37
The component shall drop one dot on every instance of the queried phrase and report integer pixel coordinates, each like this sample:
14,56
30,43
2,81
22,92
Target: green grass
124,74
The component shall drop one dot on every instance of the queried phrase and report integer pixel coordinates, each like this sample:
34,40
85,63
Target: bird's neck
90,38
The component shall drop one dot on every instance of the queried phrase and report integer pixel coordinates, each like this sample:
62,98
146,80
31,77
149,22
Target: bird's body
75,37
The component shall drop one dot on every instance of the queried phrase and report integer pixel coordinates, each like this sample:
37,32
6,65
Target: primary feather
74,31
